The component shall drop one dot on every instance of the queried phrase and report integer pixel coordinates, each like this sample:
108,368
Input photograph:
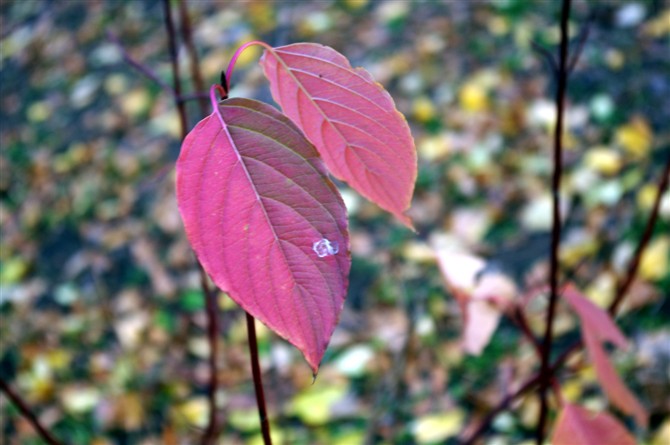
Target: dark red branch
26,412
174,60
562,78
196,73
258,380
211,307
634,265
151,75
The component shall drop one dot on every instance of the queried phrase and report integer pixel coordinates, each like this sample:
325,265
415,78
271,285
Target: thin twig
546,55
151,75
174,60
556,223
258,381
26,412
143,69
212,429
196,73
212,311
634,265
581,41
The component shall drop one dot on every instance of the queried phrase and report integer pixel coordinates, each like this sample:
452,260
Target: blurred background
102,318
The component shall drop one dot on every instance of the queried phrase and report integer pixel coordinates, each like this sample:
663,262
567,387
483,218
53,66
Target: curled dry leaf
351,119
481,298
265,221
597,327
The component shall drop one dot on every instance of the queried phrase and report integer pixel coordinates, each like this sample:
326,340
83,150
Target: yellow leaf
603,160
245,420
432,148
438,427
135,102
355,4
658,27
39,111
423,109
79,399
13,270
473,97
572,390
662,437
654,261
194,412
635,137
313,405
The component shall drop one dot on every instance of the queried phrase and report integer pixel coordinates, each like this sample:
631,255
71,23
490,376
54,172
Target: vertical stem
196,74
26,412
212,429
562,78
258,382
174,59
211,308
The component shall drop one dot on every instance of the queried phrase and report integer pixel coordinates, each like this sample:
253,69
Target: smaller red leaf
597,327
596,320
351,119
578,426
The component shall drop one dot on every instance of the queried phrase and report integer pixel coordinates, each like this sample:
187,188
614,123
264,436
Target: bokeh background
102,318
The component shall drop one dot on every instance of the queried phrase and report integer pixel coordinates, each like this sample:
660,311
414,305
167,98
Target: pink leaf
594,318
598,327
482,299
578,426
350,119
265,221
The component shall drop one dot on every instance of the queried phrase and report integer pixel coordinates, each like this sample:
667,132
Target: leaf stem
238,53
562,78
26,412
258,382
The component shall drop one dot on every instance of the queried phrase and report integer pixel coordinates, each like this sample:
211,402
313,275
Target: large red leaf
598,327
265,221
350,119
578,426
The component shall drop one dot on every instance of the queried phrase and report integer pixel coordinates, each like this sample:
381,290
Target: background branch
26,412
545,375
210,295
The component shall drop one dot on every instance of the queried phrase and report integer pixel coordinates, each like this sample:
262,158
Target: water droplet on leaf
325,247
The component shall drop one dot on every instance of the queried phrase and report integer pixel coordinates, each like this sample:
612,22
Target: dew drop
325,247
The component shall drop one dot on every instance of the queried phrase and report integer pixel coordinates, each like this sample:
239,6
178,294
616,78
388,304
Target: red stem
258,381
625,284
196,74
562,78
26,412
238,53
211,309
